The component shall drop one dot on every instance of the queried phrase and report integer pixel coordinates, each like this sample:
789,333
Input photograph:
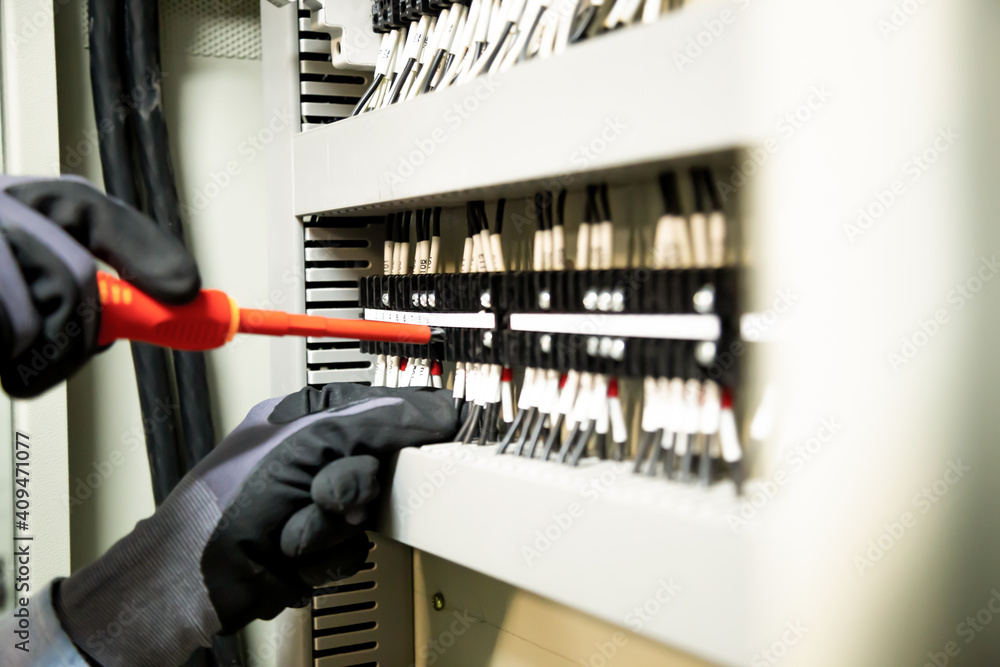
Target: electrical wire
142,32
150,363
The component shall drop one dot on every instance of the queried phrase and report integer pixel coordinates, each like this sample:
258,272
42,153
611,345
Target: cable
150,363
143,42
142,34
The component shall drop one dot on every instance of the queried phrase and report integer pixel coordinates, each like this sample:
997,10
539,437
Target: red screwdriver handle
210,321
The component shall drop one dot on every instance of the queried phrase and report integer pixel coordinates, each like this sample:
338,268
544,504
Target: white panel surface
610,102
595,538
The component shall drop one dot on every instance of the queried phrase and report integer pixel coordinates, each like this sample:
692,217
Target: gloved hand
274,510
50,232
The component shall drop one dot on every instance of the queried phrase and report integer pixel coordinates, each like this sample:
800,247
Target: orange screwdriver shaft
279,323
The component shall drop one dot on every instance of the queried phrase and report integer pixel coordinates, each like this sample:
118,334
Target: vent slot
344,629
338,252
347,608
340,650
326,94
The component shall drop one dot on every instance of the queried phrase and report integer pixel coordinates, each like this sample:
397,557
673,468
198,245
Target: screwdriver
213,318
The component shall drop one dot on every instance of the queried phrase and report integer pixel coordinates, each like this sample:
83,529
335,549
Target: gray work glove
277,508
50,232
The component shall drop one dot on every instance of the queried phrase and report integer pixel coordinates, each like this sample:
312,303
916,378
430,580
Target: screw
485,299
544,300
437,601
590,300
545,343
385,299
618,349
704,353
604,302
488,339
618,301
415,299
593,344
423,299
605,347
704,299
431,300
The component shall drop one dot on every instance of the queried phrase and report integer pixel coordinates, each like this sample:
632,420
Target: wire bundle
427,46
669,413
113,63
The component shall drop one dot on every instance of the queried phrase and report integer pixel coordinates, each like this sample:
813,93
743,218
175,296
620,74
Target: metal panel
381,632
332,294
565,524
314,46
331,356
370,232
328,110
329,88
337,254
349,313
434,144
340,375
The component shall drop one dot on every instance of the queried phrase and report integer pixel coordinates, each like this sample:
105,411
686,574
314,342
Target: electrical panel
629,224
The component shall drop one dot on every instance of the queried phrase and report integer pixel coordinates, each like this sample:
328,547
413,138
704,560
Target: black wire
368,95
142,34
604,202
523,55
434,67
711,190
508,26
150,363
561,208
473,218
590,214
668,190
420,225
404,227
699,195
500,207
484,222
437,222
582,21
397,87
390,227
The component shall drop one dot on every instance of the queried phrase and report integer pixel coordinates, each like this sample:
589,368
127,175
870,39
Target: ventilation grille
206,28
211,28
327,94
367,620
339,251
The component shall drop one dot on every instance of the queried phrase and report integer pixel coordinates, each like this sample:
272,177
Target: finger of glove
343,561
377,426
68,322
311,529
146,255
346,485
309,401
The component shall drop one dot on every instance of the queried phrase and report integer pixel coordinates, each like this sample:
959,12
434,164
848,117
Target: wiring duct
136,64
